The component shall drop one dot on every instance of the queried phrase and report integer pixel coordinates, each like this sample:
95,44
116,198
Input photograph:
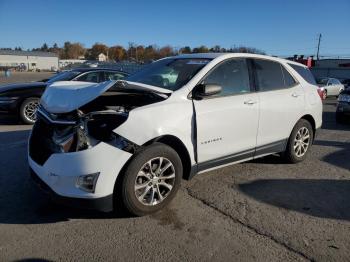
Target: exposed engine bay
88,125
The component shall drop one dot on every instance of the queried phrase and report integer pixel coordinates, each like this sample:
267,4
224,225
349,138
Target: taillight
320,93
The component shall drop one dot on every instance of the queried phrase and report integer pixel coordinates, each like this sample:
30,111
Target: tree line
134,52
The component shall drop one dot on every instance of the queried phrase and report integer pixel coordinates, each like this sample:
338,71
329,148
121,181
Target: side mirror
206,90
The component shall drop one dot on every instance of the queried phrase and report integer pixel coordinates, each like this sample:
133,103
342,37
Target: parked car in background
136,142
23,99
343,107
332,86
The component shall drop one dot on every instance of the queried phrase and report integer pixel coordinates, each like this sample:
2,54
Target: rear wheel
27,111
151,180
299,142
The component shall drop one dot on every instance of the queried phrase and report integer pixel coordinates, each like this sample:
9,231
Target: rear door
227,123
281,105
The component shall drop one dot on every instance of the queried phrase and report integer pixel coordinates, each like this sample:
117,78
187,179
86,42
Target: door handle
250,102
295,95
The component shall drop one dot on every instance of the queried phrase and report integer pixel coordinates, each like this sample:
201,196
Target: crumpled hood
66,96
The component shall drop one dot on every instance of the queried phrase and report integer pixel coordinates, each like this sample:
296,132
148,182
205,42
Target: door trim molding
275,147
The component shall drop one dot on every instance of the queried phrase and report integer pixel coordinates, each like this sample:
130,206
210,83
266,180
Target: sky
278,27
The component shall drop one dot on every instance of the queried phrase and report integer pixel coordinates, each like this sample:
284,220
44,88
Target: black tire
128,183
290,154
24,115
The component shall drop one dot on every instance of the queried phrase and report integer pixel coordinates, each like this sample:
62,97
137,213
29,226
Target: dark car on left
22,99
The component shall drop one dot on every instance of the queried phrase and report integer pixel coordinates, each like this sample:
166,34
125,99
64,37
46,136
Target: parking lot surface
263,210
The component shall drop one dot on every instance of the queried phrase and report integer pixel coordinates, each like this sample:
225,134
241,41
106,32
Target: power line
318,46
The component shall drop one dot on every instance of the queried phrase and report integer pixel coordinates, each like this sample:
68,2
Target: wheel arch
180,148
312,121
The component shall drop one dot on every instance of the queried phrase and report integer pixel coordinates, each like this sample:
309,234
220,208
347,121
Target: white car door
227,123
281,105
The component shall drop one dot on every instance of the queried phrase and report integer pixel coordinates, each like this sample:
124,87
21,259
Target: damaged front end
84,127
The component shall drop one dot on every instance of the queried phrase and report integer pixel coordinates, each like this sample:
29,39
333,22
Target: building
28,60
333,63
67,62
102,57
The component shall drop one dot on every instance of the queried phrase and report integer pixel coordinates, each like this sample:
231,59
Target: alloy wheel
301,142
30,110
154,181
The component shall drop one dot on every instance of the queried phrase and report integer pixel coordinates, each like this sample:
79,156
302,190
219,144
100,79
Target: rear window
304,73
269,75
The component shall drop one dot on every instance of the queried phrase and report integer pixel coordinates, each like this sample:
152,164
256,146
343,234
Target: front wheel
299,142
151,180
27,111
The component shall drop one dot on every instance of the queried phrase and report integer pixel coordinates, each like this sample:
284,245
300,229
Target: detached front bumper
60,172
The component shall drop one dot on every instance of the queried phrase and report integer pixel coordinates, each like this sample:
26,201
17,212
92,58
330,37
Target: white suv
131,142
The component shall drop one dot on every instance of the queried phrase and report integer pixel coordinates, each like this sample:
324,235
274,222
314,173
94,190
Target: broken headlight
100,125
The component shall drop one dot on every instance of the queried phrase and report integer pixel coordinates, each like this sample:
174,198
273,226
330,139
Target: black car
343,108
23,99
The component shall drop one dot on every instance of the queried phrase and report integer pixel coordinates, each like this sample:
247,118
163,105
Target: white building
28,60
102,57
65,62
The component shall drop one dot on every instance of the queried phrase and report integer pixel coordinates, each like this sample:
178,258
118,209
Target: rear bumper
104,204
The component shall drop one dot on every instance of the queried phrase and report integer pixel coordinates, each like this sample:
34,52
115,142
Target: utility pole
318,46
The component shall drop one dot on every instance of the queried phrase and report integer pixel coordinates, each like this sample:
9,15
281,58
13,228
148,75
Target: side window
289,81
268,75
232,76
113,76
90,77
304,73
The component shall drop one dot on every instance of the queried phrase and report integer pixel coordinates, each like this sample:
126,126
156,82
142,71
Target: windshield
64,76
169,73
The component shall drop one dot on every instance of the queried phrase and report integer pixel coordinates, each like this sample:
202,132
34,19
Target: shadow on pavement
8,119
329,122
339,158
315,197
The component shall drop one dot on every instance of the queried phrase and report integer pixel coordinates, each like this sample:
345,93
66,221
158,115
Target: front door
227,123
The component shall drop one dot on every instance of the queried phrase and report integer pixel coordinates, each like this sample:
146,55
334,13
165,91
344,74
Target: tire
295,150
324,94
140,202
27,110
